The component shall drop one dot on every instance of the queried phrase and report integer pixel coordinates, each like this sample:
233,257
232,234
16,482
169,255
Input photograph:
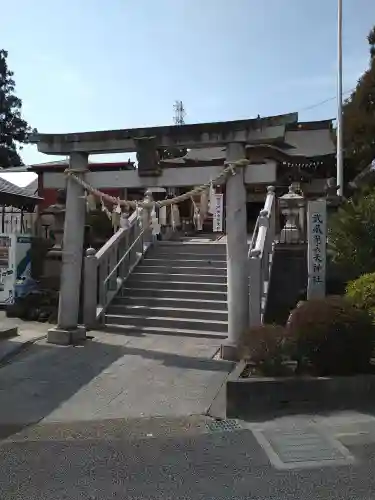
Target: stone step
166,322
185,264
200,249
204,286
143,274
162,301
190,243
136,330
160,254
164,291
177,312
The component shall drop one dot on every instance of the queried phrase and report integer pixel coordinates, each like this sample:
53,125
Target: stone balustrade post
90,300
146,218
255,288
273,214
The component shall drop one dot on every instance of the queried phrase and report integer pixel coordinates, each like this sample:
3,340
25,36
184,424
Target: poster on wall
5,271
317,248
5,243
217,220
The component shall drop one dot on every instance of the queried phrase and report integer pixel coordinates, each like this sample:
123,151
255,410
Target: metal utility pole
339,157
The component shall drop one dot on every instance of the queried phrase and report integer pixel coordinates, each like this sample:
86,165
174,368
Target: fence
15,221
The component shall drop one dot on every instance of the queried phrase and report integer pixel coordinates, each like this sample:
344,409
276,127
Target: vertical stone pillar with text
317,248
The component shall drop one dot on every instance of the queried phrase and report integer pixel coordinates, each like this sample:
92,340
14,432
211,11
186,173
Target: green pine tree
14,130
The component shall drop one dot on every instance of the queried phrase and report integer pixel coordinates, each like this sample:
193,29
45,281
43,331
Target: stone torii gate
234,135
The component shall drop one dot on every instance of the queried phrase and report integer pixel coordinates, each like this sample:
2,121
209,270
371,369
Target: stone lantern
53,219
333,199
292,207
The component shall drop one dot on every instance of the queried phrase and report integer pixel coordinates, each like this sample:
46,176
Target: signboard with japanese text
217,220
317,248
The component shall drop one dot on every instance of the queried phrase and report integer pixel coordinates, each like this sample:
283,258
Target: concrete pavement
125,417
217,465
111,376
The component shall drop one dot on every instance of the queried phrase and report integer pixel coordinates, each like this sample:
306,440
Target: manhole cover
224,426
302,448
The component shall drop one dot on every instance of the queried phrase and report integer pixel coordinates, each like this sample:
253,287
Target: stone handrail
260,258
106,270
115,239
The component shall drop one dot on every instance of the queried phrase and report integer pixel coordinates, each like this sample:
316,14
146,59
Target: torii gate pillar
67,330
237,263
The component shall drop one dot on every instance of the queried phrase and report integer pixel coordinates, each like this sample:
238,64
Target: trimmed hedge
332,335
266,346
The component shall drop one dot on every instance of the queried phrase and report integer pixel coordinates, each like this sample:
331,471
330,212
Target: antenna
179,113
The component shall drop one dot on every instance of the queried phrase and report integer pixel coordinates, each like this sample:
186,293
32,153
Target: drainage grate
302,448
224,426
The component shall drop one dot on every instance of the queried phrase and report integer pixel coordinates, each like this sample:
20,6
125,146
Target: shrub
361,292
266,346
333,335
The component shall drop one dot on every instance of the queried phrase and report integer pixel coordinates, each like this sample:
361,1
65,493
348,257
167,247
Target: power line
320,103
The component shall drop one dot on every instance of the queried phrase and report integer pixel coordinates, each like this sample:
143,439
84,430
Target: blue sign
23,239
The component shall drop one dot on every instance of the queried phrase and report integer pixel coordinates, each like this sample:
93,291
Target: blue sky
90,65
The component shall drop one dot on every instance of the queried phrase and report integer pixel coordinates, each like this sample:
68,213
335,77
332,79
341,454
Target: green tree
352,236
359,119
14,130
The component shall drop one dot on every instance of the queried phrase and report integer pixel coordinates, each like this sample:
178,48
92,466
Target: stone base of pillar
229,352
59,336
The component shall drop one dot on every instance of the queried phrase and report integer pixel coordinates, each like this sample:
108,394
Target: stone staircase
178,288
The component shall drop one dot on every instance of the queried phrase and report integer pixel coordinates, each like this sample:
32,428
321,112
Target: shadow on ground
43,377
135,332
36,381
180,361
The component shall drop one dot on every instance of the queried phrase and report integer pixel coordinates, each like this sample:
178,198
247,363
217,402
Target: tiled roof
307,141
93,165
52,163
32,187
310,143
11,190
204,154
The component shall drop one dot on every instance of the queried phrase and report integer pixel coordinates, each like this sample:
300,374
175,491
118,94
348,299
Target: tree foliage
352,236
359,118
14,130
